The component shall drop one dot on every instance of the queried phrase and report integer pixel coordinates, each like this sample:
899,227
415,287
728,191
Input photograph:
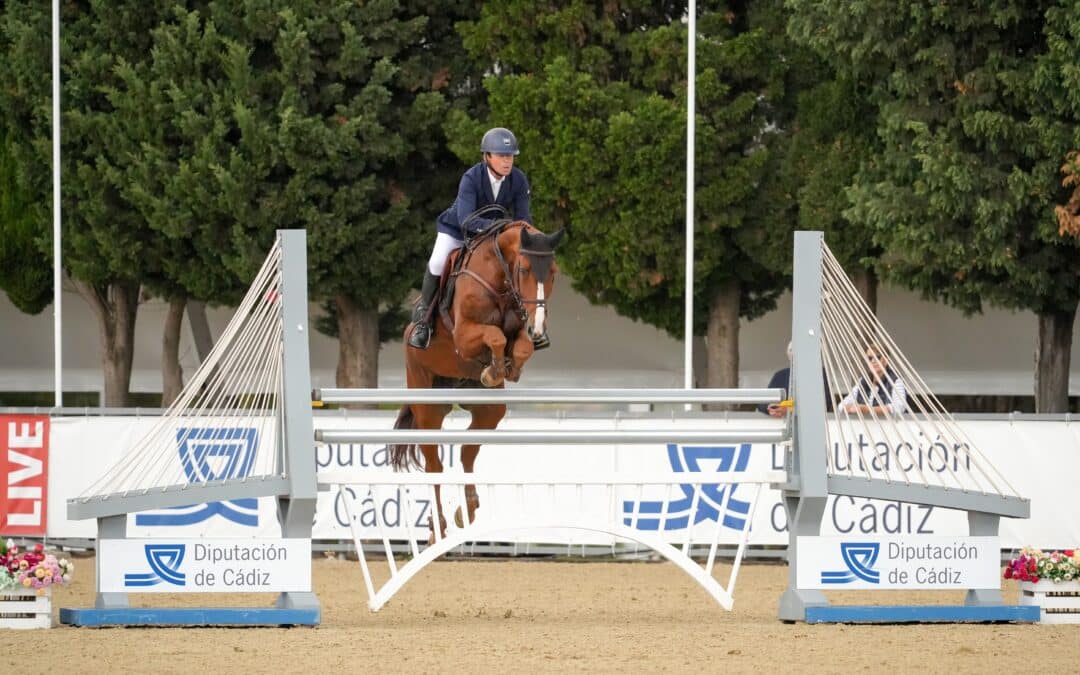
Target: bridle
515,284
511,298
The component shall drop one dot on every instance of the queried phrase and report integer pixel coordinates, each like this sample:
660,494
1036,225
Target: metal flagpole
58,321
688,325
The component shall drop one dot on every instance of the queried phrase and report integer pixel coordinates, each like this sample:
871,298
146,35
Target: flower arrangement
33,568
1035,565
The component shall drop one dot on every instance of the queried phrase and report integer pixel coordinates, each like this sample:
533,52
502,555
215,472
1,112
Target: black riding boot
421,333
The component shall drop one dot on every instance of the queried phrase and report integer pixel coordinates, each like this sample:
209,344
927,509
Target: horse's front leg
472,500
520,351
483,417
471,339
433,464
437,510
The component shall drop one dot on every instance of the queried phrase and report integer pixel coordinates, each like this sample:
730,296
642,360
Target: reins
510,298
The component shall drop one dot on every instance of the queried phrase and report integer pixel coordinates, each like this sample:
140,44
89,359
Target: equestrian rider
492,181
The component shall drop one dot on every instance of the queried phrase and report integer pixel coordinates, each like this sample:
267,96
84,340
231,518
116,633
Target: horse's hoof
488,380
431,528
459,517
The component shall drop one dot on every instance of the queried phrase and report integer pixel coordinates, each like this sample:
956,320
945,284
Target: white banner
1040,459
911,563
204,565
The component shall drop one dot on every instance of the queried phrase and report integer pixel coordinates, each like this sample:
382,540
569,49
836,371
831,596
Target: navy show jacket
474,192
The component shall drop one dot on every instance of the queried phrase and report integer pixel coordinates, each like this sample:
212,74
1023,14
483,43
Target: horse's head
535,270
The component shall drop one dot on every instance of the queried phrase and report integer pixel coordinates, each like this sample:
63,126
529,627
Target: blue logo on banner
206,454
689,460
859,558
165,561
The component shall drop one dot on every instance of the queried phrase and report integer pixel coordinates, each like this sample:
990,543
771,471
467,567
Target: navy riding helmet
499,141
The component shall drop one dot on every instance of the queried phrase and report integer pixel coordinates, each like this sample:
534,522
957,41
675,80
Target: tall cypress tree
25,192
976,119
103,238
315,115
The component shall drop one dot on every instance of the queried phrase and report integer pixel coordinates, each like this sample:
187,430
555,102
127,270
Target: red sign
24,474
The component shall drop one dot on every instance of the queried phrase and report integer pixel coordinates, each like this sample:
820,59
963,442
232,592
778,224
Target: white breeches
444,244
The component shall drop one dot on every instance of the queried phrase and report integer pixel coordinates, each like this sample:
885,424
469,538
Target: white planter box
1060,603
25,609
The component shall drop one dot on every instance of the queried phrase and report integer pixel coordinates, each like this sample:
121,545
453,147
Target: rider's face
500,164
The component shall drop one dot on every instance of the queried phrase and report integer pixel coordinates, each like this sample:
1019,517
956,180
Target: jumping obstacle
831,328
240,430
249,404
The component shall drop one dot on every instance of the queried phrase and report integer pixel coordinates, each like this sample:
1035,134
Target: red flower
1008,573
1034,580
1069,552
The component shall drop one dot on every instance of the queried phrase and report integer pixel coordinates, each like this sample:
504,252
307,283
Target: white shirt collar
496,183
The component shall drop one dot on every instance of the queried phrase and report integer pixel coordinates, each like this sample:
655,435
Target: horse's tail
404,455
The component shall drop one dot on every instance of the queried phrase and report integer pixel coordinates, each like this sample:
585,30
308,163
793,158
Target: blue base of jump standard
190,616
923,614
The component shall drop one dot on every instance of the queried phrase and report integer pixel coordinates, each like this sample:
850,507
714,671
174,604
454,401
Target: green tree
25,269
194,131
25,186
156,131
102,237
832,137
975,124
315,115
597,94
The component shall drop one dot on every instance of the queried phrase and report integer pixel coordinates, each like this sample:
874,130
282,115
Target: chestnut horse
499,310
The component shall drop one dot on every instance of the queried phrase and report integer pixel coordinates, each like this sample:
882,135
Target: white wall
592,347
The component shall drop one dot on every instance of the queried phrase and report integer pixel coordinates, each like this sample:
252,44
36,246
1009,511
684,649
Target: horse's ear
554,239
526,238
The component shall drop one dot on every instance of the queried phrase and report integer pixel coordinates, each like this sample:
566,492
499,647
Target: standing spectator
781,379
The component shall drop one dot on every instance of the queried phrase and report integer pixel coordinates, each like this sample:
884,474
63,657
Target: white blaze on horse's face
538,250
539,324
